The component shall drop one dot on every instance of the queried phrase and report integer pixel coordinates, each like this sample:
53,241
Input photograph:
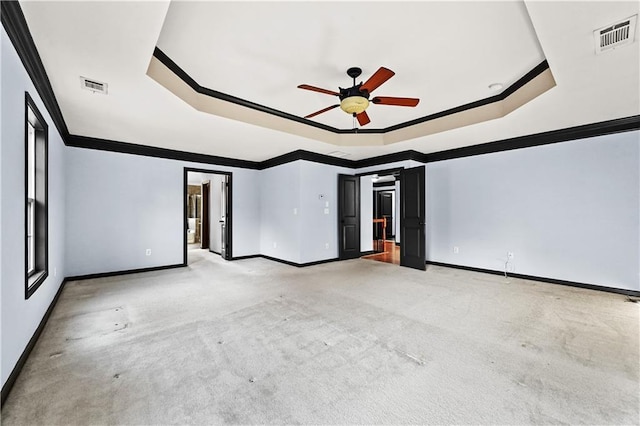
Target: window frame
36,218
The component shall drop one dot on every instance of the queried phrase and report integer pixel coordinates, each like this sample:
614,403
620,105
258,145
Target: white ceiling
263,60
446,53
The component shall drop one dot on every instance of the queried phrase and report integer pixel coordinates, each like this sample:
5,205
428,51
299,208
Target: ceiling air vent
615,35
93,85
338,154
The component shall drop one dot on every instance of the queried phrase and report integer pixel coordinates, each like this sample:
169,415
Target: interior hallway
255,341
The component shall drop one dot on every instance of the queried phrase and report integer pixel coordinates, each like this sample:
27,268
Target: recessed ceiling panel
441,52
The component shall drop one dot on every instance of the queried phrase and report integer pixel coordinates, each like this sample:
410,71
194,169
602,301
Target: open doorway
382,191
194,216
207,213
390,210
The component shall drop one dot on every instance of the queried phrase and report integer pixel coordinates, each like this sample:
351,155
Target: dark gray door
386,211
412,218
204,220
349,216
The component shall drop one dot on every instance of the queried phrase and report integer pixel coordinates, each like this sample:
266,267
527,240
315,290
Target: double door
412,217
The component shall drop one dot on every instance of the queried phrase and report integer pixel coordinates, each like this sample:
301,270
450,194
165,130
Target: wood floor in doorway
391,254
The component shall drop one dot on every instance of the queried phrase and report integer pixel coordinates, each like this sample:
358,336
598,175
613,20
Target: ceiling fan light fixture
354,104
355,100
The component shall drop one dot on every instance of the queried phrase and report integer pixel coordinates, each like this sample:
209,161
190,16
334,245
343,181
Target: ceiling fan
355,100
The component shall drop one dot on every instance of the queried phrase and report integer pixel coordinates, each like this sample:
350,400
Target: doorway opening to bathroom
207,213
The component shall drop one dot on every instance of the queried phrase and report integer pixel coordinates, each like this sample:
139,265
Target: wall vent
615,35
93,85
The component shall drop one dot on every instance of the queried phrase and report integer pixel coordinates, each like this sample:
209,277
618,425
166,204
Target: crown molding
608,127
545,138
306,156
150,151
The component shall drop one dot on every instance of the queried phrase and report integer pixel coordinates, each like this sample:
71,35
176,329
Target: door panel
349,197
349,216
412,242
412,218
349,237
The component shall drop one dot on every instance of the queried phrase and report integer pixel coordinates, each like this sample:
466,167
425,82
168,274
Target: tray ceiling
445,53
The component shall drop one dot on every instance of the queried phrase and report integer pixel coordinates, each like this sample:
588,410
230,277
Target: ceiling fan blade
318,89
321,111
389,100
383,74
363,118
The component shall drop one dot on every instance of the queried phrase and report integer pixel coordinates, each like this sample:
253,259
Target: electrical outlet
295,211
147,252
326,246
509,255
275,245
326,211
456,250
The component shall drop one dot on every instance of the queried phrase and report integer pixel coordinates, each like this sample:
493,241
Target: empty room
310,212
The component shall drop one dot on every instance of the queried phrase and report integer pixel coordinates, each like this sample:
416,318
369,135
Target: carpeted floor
254,342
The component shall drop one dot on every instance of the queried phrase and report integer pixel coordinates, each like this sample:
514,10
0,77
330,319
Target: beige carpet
254,342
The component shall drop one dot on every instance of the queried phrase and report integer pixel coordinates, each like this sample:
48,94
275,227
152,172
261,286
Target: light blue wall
280,212
300,236
21,317
319,230
567,211
118,205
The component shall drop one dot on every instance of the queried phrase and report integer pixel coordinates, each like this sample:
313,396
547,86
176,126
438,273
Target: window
36,210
